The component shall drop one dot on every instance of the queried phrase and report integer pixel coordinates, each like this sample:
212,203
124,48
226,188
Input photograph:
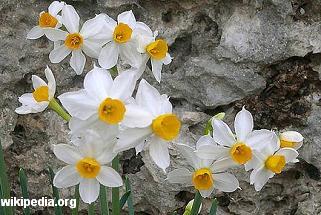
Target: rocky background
227,53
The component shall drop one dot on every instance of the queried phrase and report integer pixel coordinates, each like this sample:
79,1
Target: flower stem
91,209
104,210
115,190
197,203
55,106
74,211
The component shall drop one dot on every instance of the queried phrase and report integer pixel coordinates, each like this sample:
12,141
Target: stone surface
260,53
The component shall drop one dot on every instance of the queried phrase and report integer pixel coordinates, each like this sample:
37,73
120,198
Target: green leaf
91,209
74,211
103,200
124,198
4,181
115,190
196,204
131,210
2,212
55,192
24,189
213,207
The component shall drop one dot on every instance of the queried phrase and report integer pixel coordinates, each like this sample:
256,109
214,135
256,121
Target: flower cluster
106,117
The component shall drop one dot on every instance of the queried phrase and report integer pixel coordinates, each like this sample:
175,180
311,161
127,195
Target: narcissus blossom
120,38
156,50
39,99
76,41
270,160
46,20
102,104
86,166
233,150
149,119
291,139
204,175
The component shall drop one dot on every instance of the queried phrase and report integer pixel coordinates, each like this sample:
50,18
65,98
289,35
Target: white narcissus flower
150,119
156,50
120,39
205,175
39,99
270,160
76,42
291,139
49,19
86,166
102,104
234,150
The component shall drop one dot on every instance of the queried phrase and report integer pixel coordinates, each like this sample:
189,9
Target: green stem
115,190
55,106
130,198
103,200
197,203
4,181
213,207
114,71
74,211
91,209
24,189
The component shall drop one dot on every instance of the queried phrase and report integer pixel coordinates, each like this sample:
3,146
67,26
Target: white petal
206,193
205,140
109,55
58,54
67,153
51,82
213,152
70,19
80,128
243,124
66,177
130,55
79,104
110,23
167,60
77,61
89,190
180,176
123,86
29,105
259,177
91,49
222,133
92,26
270,146
140,147
37,82
128,18
109,177
225,182
165,104
98,83
157,68
190,156
55,7
131,137
223,164
289,154
158,150
147,96
257,160
143,29
35,33
137,117
54,34
143,41
106,156
258,138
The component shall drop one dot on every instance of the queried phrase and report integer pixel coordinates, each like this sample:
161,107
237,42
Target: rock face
262,54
